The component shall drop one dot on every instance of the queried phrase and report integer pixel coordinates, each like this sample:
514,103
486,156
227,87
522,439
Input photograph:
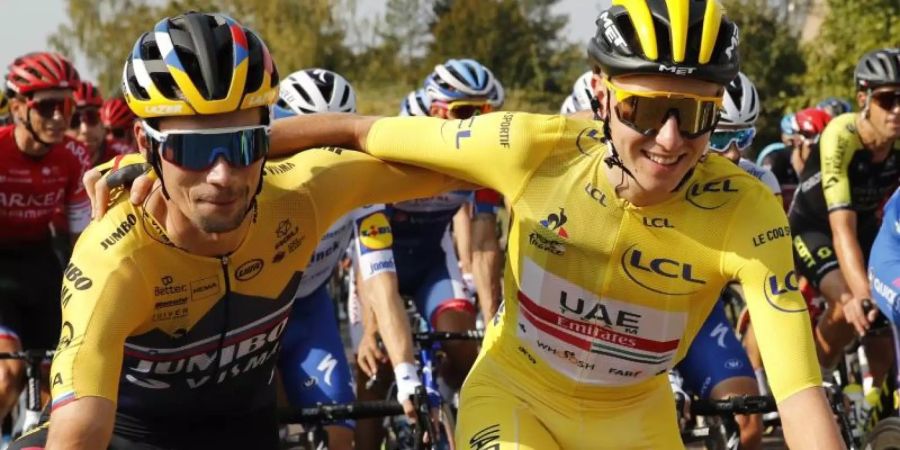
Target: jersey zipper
224,260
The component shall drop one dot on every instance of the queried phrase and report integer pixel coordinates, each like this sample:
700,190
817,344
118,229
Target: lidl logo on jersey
375,233
776,287
663,275
711,194
554,222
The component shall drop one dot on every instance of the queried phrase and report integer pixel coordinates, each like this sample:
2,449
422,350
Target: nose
220,173
669,137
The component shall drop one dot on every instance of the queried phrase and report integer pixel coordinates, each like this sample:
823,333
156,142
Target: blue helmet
789,124
459,79
416,103
834,106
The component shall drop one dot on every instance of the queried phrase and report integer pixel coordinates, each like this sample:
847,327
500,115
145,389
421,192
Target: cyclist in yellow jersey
173,309
621,241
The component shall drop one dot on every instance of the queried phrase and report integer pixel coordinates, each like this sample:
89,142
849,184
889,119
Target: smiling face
217,199
658,163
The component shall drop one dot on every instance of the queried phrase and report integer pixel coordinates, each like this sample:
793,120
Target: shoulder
840,133
721,186
762,174
116,236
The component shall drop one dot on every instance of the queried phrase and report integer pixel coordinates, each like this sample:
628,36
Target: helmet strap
155,161
613,159
30,129
865,109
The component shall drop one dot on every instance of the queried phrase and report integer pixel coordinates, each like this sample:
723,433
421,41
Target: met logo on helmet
729,52
611,32
677,70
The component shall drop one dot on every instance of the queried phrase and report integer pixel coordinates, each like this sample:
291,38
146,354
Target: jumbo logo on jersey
661,275
375,232
775,287
712,194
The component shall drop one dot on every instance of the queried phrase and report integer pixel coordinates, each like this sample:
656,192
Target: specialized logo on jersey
663,275
592,339
375,233
777,286
711,194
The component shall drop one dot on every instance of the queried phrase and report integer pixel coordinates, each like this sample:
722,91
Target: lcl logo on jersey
661,275
712,194
776,286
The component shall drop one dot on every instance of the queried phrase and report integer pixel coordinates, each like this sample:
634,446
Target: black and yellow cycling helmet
686,38
198,63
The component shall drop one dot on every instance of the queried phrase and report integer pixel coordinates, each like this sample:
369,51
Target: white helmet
459,79
740,107
582,90
497,96
570,105
314,91
416,103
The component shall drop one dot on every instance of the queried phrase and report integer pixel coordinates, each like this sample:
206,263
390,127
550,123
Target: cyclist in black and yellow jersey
622,238
173,309
834,216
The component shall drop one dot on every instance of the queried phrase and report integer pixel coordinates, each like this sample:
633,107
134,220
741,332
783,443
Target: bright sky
28,24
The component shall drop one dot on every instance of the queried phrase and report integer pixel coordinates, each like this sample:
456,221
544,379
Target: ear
861,99
141,139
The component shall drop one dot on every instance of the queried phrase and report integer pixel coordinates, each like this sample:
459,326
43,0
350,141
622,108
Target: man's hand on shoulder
125,171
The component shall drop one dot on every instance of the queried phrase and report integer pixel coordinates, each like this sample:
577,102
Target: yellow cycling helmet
198,63
686,38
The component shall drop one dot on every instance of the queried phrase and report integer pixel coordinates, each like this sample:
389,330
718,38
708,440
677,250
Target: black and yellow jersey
176,338
841,174
601,296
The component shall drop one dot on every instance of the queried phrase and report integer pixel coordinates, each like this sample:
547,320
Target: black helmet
878,68
667,37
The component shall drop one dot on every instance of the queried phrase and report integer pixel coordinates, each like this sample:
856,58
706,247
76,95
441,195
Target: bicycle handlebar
744,404
327,413
438,336
28,355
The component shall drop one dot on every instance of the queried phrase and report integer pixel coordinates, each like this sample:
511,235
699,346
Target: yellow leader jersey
601,296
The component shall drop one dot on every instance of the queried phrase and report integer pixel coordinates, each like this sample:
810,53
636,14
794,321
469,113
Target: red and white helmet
40,71
115,113
88,95
811,122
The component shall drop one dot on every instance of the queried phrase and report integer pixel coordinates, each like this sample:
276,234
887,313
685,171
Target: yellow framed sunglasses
647,111
464,109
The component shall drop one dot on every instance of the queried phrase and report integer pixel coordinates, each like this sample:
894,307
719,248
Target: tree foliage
770,57
850,29
299,34
520,40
